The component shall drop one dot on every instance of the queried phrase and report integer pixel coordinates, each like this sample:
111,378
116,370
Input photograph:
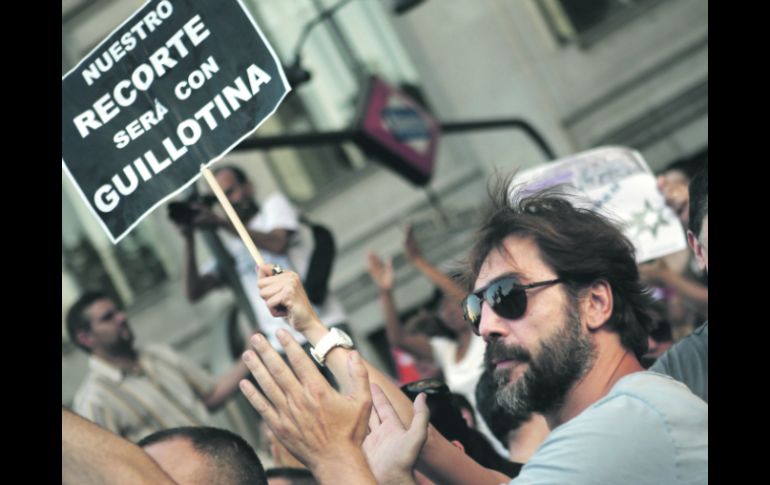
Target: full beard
247,209
563,358
124,344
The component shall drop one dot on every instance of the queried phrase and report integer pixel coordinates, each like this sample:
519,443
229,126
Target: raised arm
441,280
93,455
196,285
322,428
439,459
382,275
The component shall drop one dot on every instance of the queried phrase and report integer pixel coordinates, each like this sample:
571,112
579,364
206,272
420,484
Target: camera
184,212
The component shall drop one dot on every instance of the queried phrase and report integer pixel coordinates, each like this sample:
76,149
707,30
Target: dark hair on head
239,174
461,402
233,461
699,200
579,244
297,476
77,320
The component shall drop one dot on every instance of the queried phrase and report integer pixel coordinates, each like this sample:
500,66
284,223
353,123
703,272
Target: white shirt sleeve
277,213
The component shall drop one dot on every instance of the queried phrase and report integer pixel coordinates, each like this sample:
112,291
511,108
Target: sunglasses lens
472,310
506,298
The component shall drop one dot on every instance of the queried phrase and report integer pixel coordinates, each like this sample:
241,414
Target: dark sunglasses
506,297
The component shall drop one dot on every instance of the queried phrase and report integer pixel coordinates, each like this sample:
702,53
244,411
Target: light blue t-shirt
649,429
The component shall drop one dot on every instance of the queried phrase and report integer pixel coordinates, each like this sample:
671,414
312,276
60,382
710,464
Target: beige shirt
166,392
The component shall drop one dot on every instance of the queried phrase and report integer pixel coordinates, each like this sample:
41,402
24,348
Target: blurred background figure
447,339
282,237
688,360
677,279
134,392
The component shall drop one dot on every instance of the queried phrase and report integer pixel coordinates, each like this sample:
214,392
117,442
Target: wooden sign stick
239,227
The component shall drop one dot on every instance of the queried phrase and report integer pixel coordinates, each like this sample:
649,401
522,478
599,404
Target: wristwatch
335,338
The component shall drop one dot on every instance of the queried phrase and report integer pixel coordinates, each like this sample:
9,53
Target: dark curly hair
579,244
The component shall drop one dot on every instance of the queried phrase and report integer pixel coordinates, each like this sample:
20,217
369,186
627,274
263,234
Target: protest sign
177,85
617,182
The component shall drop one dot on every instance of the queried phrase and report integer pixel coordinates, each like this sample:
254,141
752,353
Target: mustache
497,351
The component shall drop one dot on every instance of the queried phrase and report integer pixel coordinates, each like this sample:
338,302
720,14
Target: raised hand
381,272
321,427
285,297
391,448
411,247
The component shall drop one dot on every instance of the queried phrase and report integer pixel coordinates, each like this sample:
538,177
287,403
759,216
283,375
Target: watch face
335,338
342,338
346,338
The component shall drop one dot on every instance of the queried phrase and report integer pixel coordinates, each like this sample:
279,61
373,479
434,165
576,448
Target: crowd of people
542,345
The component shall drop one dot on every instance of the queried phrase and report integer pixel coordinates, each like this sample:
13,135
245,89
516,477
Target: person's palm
381,271
392,449
411,247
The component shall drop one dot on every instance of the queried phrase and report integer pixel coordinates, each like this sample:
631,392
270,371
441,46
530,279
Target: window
585,21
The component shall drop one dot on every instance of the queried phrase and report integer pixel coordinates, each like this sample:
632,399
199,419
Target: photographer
281,237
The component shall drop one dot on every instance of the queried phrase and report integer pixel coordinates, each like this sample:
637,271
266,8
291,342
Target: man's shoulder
697,341
655,391
275,212
644,415
645,410
687,360
276,200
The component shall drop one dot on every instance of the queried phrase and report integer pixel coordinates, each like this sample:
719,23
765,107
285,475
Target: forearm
91,454
444,282
392,323
226,385
192,279
444,463
270,242
418,345
350,467
276,241
398,479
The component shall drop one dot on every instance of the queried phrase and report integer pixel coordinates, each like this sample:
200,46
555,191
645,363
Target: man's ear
697,249
596,305
85,338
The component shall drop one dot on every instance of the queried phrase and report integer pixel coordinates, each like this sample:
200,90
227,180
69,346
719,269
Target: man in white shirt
276,230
